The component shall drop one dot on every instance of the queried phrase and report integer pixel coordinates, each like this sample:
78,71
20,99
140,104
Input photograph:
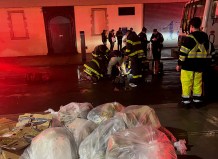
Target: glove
180,146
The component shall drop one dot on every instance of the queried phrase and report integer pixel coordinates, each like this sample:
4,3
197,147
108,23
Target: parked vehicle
207,10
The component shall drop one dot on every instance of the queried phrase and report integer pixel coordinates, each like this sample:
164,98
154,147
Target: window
99,20
18,25
126,11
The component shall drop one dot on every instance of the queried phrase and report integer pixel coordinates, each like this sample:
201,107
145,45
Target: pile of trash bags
108,131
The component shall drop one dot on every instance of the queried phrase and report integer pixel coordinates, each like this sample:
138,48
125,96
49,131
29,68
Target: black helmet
100,50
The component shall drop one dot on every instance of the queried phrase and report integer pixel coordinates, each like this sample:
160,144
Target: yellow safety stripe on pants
191,82
185,50
89,73
136,52
194,53
96,62
92,70
137,76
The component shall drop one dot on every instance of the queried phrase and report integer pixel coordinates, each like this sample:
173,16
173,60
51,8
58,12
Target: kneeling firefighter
97,67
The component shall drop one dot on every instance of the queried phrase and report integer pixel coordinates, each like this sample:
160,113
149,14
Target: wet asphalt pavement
18,96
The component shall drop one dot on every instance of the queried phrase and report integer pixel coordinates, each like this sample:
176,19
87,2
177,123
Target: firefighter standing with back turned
135,53
193,62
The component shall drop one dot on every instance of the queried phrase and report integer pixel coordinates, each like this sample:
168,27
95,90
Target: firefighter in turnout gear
97,67
136,54
193,62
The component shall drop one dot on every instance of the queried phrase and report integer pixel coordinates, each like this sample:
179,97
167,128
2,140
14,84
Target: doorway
60,30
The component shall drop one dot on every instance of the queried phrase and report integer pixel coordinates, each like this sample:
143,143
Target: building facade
47,27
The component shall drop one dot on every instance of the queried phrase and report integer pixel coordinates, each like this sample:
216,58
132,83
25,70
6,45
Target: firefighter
135,53
97,67
144,41
193,62
157,44
119,35
101,50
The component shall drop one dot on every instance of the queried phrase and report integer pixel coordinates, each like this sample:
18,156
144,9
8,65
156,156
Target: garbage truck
207,10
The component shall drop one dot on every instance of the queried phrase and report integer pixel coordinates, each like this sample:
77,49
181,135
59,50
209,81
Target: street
18,95
198,126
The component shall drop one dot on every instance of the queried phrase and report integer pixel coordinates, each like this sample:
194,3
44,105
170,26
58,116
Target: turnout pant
191,85
136,69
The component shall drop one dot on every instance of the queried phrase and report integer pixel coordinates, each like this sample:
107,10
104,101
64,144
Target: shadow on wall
188,157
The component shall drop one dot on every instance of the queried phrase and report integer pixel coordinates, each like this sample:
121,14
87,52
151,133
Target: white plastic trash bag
104,112
137,115
74,110
95,145
143,142
81,128
52,143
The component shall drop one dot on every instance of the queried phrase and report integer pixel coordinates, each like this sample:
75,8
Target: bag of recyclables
81,128
94,146
52,143
104,112
137,115
143,142
73,110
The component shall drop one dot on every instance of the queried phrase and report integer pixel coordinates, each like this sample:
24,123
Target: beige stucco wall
38,3
35,45
83,22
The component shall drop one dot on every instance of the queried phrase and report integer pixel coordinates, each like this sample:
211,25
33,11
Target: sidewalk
57,60
45,60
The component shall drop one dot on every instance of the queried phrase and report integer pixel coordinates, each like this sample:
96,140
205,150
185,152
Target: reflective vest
195,58
198,51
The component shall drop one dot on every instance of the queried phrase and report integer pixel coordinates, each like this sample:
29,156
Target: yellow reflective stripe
92,70
94,55
127,50
107,50
193,53
88,72
182,58
136,43
197,55
96,62
129,41
133,43
106,56
136,52
137,76
201,47
184,49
